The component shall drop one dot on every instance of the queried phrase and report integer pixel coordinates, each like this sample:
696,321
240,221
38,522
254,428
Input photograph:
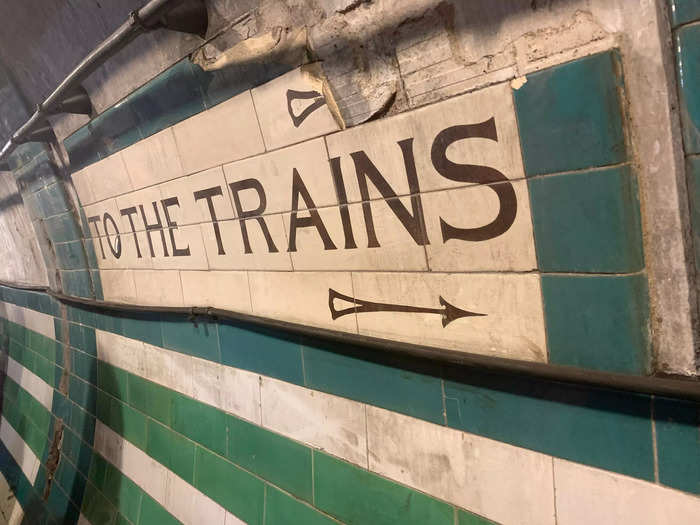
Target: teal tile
171,449
60,507
122,492
684,11
77,283
271,353
587,222
169,98
199,338
569,116
84,366
143,327
53,200
107,322
598,322
277,459
97,284
82,423
61,406
201,423
688,57
329,370
678,443
356,496
123,419
83,394
152,512
693,176
97,509
71,481
282,509
36,174
602,428
83,149
237,491
115,129
62,228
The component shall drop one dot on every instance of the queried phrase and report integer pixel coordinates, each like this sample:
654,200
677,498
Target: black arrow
448,311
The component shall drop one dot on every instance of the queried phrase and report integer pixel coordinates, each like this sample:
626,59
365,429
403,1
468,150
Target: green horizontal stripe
27,416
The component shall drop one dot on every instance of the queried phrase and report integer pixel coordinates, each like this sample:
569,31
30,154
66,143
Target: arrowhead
452,313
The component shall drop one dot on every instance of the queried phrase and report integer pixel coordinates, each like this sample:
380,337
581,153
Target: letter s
508,203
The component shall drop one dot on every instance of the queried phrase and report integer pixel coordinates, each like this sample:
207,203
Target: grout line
654,441
554,492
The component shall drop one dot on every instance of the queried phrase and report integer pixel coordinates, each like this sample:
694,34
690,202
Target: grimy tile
465,140
224,133
293,108
223,289
118,285
511,323
108,178
158,287
153,160
475,208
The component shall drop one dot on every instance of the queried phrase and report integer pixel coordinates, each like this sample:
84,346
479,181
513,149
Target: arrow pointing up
448,312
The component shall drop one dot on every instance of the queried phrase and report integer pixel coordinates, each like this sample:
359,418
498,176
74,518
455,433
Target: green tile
76,283
61,406
467,518
123,419
569,116
684,11
83,394
84,366
329,370
277,459
112,380
150,398
122,492
153,513
236,490
282,509
678,443
276,354
688,56
82,148
201,423
53,200
606,429
587,222
97,509
70,255
171,450
98,471
115,129
693,175
357,496
598,322
72,481
82,423
199,338
60,507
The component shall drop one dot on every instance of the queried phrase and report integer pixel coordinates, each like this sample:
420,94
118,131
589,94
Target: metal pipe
138,22
451,364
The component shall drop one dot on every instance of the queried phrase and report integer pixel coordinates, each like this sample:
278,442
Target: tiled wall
685,18
166,420
546,244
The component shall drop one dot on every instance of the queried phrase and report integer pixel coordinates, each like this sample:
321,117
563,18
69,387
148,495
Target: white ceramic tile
152,160
512,327
121,352
187,238
300,297
273,108
81,183
587,495
179,499
206,381
118,285
193,210
207,510
158,287
471,208
233,520
222,289
97,210
19,450
29,381
324,421
145,197
240,393
108,178
380,142
397,249
260,257
17,515
275,173
181,370
224,133
504,483
36,321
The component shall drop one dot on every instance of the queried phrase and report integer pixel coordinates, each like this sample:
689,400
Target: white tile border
19,450
32,383
31,319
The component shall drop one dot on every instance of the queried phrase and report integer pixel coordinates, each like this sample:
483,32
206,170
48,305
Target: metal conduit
138,22
451,364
